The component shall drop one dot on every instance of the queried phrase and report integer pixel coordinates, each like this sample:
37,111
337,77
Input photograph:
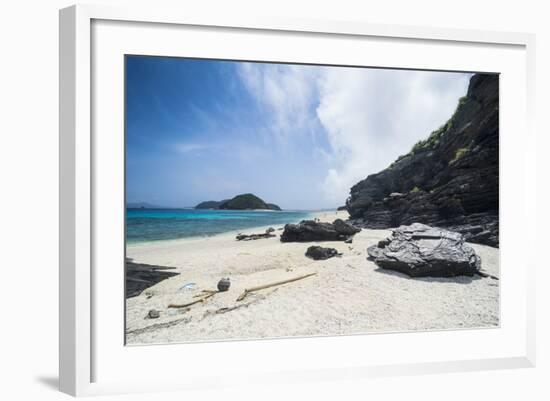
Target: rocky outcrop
320,253
239,202
450,180
140,276
419,250
310,230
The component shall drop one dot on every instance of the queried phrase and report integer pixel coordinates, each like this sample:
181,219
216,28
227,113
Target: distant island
142,205
210,204
239,202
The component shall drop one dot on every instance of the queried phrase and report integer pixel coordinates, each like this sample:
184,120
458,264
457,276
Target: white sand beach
348,295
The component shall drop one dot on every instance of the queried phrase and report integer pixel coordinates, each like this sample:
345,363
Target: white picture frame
84,351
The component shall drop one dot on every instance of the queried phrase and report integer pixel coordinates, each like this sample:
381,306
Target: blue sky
298,136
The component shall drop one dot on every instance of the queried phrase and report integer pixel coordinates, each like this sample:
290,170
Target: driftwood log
245,237
263,287
157,326
232,308
486,275
200,300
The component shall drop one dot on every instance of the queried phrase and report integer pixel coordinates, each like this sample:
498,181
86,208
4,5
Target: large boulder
420,250
345,228
310,230
319,253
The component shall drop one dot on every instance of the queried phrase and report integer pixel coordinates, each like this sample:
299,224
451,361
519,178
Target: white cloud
242,151
192,147
286,93
370,116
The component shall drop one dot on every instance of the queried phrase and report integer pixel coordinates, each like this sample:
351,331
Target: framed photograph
276,200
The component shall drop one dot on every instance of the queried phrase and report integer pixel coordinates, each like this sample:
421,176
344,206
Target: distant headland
142,205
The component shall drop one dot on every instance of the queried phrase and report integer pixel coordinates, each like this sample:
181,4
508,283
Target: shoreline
347,295
249,230
142,252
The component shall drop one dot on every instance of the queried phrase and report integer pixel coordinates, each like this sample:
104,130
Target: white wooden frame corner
76,373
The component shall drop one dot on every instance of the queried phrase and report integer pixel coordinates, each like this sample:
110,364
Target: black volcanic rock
224,284
345,228
448,180
140,276
319,253
419,250
310,230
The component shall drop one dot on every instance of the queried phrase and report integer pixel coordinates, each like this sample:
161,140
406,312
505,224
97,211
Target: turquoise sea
145,225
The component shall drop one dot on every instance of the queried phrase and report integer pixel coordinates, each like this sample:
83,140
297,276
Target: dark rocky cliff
451,179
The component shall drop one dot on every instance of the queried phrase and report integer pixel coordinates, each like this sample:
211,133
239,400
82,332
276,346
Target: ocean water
146,225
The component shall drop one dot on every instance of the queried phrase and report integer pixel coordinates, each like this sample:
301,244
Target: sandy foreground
348,295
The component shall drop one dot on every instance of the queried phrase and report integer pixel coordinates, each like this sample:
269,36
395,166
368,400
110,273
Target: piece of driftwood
203,292
204,298
157,326
245,237
226,309
486,275
263,287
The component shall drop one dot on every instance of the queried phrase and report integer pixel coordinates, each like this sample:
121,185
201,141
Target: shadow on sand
428,279
456,279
